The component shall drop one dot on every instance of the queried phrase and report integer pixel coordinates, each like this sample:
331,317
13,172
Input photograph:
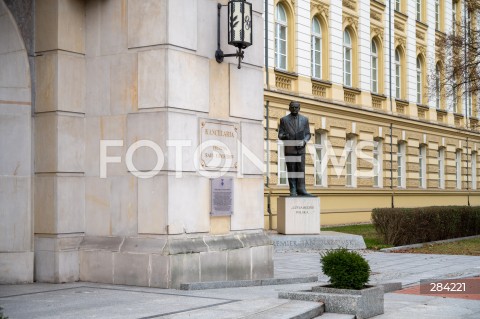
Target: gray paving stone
83,299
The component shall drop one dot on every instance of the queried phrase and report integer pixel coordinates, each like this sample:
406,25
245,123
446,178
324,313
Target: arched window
316,49
281,37
374,67
398,75
347,58
419,80
437,86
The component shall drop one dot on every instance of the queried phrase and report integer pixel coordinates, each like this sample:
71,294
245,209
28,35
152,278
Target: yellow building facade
362,72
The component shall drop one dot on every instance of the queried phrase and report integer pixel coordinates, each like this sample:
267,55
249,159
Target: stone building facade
82,80
338,59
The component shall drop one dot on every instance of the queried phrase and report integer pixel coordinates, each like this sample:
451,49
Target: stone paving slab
89,300
93,301
258,309
401,306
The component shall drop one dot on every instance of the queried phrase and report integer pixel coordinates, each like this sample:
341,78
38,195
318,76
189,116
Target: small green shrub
346,269
2,316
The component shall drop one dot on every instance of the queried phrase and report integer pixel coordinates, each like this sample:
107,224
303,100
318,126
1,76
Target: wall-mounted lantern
239,29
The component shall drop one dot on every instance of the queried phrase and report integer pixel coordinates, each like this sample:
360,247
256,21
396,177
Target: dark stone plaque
222,196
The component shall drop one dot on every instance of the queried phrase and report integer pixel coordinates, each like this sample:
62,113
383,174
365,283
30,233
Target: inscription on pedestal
298,215
222,196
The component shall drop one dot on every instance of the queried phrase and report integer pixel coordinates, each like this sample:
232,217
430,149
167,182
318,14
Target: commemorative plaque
222,196
218,145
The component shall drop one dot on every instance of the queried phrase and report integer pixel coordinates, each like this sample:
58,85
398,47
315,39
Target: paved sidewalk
89,300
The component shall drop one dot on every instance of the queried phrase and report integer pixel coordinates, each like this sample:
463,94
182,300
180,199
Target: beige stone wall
59,137
156,86
16,240
132,70
341,204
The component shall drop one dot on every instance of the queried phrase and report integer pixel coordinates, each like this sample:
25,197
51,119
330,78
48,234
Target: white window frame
316,39
437,86
419,81
454,17
374,67
419,10
422,166
281,164
347,62
281,58
454,102
350,163
441,168
401,162
474,170
378,163
458,169
469,104
398,74
320,158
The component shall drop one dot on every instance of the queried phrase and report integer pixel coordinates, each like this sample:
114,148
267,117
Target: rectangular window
347,52
469,105
454,102
474,170
441,168
458,169
419,10
454,17
397,81
281,47
422,166
377,164
401,165
320,159
350,163
437,14
316,57
397,5
374,74
419,86
282,166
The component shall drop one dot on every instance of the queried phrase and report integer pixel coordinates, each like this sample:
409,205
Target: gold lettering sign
218,145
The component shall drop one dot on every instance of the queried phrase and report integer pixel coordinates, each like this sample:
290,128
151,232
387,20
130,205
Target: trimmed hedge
405,226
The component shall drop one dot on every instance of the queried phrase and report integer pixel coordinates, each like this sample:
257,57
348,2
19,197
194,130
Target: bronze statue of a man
294,130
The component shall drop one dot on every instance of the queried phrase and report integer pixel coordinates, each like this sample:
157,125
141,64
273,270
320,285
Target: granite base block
169,261
364,303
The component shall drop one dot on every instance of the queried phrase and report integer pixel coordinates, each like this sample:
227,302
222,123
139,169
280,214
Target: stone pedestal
298,215
169,261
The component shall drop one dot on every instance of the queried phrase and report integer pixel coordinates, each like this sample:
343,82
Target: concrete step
330,315
265,308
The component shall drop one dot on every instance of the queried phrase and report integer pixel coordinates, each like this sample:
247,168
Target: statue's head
294,108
